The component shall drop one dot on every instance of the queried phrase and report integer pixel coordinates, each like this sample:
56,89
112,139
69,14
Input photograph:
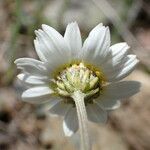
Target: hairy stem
82,119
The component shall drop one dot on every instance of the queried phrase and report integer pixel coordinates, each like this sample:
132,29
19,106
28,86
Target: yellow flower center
79,77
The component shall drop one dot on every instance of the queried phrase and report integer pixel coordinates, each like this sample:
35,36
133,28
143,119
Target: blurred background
27,127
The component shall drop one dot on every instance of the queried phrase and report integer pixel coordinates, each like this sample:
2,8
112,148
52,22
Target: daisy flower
78,82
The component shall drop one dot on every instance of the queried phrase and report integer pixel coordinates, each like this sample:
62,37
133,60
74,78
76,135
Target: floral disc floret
78,77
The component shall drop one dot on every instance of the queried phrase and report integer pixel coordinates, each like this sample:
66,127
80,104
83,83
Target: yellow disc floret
78,77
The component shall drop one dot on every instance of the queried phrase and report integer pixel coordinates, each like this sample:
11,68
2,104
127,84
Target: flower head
65,66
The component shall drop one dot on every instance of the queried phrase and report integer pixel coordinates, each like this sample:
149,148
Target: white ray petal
37,94
31,66
119,49
39,50
49,104
60,108
127,69
96,113
70,123
96,46
48,49
123,89
116,55
51,47
73,38
115,92
123,70
108,103
32,80
57,41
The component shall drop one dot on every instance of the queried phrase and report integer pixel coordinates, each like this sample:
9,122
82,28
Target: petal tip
73,24
67,131
35,31
45,26
15,62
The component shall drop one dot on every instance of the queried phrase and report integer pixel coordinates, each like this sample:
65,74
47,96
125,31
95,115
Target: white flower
66,66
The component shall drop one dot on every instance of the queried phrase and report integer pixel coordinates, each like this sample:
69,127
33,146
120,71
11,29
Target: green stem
82,119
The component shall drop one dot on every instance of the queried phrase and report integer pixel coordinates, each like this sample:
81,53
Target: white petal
115,61
123,89
70,123
108,103
119,49
31,66
39,50
114,92
91,42
116,55
73,38
96,113
51,47
127,69
53,57
31,80
60,108
49,104
123,70
96,46
38,94
56,40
